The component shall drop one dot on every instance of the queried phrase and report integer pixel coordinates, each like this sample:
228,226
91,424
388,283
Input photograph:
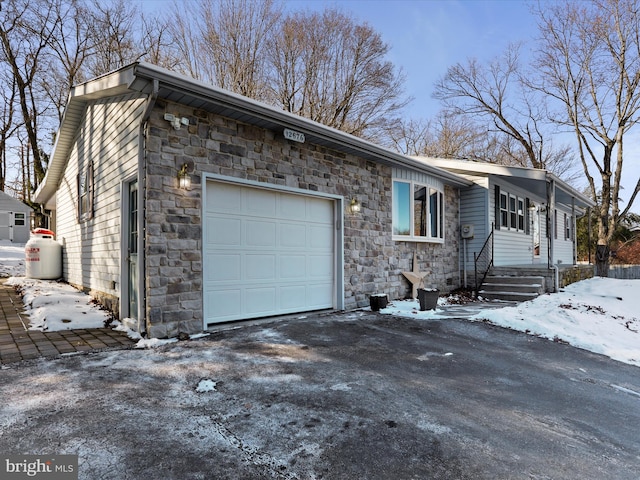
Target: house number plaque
293,135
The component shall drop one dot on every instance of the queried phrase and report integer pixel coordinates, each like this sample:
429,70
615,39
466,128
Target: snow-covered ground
601,314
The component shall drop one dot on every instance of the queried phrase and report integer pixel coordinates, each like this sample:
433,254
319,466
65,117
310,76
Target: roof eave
535,174
139,77
256,109
113,83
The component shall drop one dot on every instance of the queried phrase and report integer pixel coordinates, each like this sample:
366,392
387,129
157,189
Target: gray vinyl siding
474,207
423,178
511,247
91,248
563,248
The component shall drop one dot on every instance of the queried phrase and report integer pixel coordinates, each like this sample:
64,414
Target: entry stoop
511,288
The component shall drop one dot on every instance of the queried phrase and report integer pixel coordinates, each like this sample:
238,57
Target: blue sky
428,36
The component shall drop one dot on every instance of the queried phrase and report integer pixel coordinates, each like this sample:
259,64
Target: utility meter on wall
467,231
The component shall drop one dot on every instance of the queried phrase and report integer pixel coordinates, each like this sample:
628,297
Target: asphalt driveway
354,395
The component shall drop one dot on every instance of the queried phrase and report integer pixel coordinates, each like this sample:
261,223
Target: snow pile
600,314
206,385
54,306
11,259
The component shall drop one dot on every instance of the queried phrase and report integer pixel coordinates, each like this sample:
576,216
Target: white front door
266,252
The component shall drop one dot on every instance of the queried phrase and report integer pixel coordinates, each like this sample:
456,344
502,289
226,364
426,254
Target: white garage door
266,252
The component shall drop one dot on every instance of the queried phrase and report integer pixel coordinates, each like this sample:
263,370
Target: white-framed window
521,214
85,194
418,212
511,211
19,219
568,223
504,210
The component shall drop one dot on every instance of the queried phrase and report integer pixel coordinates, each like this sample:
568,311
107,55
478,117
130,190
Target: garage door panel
293,267
274,254
293,235
260,267
321,237
224,231
320,266
224,304
293,298
225,198
227,267
319,210
291,208
260,300
259,233
317,295
259,202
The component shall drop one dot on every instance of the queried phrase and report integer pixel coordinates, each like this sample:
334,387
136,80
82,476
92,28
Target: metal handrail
483,260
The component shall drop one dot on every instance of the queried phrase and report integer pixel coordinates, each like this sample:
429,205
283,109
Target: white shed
14,219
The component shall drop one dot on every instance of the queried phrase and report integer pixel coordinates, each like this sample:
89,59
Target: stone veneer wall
211,143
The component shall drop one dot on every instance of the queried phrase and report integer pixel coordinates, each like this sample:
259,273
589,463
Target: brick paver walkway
17,343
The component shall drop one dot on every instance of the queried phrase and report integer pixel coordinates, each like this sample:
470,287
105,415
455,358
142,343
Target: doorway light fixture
184,178
354,206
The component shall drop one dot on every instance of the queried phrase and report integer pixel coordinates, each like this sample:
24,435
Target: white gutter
145,72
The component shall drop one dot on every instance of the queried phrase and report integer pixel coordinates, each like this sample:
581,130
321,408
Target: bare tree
498,94
26,28
224,42
235,34
113,36
8,125
71,44
589,59
411,137
186,37
156,42
330,69
444,136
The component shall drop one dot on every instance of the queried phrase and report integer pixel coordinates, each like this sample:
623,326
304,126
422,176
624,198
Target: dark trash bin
428,298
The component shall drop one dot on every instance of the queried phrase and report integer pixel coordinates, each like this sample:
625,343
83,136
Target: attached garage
269,251
245,210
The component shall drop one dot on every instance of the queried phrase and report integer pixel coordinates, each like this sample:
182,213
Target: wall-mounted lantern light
184,179
354,206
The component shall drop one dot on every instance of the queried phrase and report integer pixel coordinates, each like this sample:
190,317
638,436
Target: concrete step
512,288
514,279
507,296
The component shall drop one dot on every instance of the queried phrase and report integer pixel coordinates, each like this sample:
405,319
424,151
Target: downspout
551,230
574,240
142,204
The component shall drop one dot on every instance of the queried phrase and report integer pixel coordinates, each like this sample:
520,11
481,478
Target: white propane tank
43,256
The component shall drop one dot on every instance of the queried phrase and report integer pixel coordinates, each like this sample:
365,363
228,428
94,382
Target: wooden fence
624,271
